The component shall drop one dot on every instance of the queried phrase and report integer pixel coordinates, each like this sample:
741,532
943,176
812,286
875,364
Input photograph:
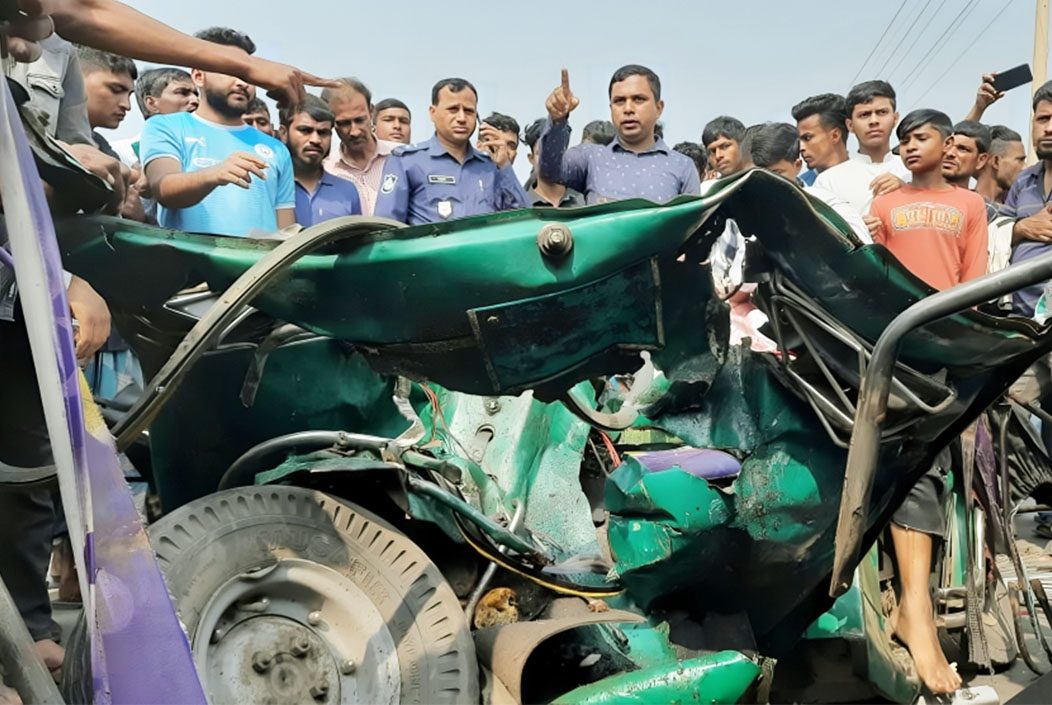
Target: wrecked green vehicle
515,457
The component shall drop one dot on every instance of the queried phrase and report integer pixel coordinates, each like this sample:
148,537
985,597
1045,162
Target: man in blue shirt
1030,200
446,177
320,196
636,164
209,171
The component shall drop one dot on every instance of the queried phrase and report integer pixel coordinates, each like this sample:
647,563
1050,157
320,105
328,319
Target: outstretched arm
115,27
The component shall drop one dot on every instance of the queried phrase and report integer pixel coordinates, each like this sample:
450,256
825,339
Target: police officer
446,177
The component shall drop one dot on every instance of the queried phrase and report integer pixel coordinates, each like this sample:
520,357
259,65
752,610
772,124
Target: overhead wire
968,47
939,43
902,39
879,41
913,44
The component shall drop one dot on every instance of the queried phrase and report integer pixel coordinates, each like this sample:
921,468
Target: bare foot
8,695
52,655
916,628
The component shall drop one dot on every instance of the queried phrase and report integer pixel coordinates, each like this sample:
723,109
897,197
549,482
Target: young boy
938,231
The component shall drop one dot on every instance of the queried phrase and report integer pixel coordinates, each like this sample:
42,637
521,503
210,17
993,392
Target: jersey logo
441,179
203,162
199,141
927,215
264,151
389,183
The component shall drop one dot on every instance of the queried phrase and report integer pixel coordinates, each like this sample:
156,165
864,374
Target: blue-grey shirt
424,183
332,198
613,173
1025,198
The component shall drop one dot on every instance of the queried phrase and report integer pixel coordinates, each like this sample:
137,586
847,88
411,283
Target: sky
752,60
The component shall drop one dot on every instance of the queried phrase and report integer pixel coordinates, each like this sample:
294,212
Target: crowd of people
951,200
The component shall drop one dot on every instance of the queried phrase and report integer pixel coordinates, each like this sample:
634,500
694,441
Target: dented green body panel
499,331
722,677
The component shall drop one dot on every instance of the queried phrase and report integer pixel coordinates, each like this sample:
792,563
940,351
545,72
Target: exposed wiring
879,41
615,457
505,563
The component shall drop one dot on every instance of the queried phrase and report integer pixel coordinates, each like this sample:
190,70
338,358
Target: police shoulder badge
389,183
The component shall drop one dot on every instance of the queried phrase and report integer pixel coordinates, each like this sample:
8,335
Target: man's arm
556,164
1037,227
92,314
559,164
285,217
174,188
120,29
510,194
286,195
975,252
393,199
986,96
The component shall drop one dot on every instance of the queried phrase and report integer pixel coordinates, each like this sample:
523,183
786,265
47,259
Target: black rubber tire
202,545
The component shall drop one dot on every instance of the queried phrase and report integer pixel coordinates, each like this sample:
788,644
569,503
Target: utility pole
1040,65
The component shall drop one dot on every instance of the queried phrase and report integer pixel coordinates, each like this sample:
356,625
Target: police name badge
389,183
445,209
441,179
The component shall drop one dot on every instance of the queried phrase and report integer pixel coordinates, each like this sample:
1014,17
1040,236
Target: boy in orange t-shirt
937,230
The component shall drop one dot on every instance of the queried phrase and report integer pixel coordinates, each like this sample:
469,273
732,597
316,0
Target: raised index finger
566,82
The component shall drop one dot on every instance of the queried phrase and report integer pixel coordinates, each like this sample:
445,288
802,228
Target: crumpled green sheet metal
310,385
757,546
473,306
722,677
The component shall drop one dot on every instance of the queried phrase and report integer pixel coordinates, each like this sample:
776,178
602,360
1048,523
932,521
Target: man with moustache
208,170
307,131
635,164
445,177
1028,200
967,152
361,157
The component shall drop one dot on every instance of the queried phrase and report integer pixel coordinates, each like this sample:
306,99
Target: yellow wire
587,593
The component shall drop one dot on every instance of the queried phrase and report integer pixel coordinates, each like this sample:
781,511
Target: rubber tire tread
205,543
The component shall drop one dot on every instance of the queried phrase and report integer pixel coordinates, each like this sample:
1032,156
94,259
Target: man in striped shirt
361,156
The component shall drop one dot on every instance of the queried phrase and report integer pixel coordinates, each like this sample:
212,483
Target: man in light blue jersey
208,170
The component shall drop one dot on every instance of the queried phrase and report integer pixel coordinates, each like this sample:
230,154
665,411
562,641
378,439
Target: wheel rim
295,632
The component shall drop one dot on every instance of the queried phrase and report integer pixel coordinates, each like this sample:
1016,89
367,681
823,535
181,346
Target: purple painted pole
140,653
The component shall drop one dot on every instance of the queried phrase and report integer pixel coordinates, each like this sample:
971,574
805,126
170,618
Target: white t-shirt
125,149
850,180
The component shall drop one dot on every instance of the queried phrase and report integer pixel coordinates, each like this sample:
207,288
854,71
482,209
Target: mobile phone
1013,78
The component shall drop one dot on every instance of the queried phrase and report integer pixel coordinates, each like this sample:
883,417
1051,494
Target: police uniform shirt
424,183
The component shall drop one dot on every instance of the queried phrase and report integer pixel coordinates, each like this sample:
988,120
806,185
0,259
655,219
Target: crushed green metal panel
529,451
678,537
761,546
292,397
522,340
722,677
